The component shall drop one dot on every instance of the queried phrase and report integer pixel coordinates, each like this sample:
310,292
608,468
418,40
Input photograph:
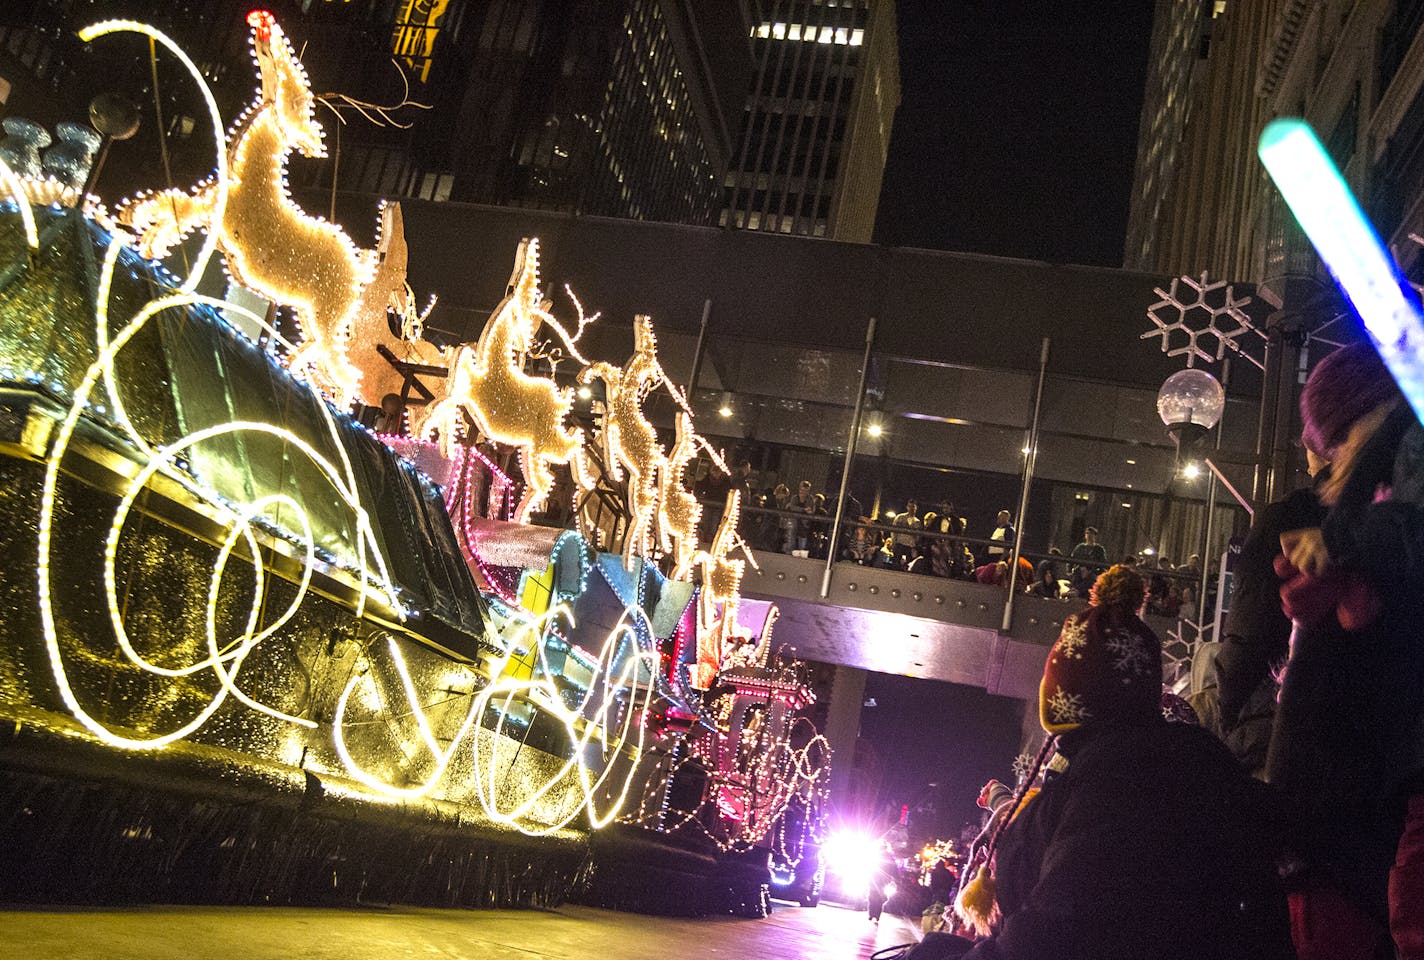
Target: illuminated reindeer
272,246
630,443
487,381
388,292
721,594
680,513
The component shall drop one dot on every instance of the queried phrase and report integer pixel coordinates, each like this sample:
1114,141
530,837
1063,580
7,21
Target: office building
1199,194
1176,59
816,129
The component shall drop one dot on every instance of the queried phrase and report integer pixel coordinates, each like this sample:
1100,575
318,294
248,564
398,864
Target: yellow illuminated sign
417,26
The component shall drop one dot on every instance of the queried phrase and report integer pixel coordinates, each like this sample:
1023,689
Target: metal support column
1211,500
1030,460
697,350
834,548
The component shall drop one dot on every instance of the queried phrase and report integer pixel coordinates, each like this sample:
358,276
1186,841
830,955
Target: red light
261,21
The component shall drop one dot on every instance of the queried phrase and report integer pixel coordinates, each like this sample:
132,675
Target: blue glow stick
1347,243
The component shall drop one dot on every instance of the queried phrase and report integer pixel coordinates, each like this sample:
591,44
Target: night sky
1017,127
1016,137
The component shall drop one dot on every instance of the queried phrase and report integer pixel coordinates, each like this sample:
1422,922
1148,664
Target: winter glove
1308,599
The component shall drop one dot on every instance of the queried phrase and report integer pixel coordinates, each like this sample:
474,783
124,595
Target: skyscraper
1176,59
1200,197
816,128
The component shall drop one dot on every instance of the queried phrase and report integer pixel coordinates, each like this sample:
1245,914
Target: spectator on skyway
1046,583
785,526
741,479
820,529
805,503
1003,533
994,574
904,543
1084,555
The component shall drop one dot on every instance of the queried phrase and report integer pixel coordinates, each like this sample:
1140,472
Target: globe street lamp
1190,403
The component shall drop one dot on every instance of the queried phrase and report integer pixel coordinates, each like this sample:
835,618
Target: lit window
794,32
842,36
827,35
778,30
857,37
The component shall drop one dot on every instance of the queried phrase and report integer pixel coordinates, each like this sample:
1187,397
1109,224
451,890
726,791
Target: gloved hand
1308,598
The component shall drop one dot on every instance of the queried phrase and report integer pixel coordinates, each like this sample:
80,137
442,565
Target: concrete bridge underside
886,621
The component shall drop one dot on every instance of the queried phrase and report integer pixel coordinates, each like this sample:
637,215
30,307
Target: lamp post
1191,402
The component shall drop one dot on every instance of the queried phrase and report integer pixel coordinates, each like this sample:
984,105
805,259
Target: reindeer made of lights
272,245
681,512
721,594
630,442
487,382
388,292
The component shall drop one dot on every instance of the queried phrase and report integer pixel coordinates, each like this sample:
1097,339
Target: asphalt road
826,932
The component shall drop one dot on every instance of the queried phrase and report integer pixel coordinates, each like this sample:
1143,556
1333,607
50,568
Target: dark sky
1017,127
1016,136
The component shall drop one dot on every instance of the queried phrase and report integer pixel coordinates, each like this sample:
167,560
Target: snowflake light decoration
1202,312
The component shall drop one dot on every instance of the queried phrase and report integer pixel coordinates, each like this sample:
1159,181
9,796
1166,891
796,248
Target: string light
272,245
681,511
584,724
12,182
487,382
305,262
720,594
224,660
216,192
629,441
388,292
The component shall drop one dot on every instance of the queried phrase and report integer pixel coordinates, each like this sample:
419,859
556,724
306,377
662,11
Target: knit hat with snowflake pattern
1106,664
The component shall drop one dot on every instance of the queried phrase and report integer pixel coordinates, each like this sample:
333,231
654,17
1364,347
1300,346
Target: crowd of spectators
935,542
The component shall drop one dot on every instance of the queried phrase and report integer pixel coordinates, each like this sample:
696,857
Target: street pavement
826,932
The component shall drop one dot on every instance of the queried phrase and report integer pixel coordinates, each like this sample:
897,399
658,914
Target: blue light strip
1332,219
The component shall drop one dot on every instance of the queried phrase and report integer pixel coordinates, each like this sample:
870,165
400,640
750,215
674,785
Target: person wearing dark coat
1347,747
1256,636
1153,843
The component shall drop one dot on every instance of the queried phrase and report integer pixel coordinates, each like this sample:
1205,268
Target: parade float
254,651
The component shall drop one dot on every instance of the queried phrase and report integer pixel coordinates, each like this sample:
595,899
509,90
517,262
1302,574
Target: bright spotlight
875,429
584,393
724,410
1191,471
850,856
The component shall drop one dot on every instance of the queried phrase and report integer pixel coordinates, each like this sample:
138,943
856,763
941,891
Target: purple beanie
1344,386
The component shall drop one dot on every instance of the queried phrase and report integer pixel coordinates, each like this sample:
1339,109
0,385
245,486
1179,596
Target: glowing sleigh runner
222,585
